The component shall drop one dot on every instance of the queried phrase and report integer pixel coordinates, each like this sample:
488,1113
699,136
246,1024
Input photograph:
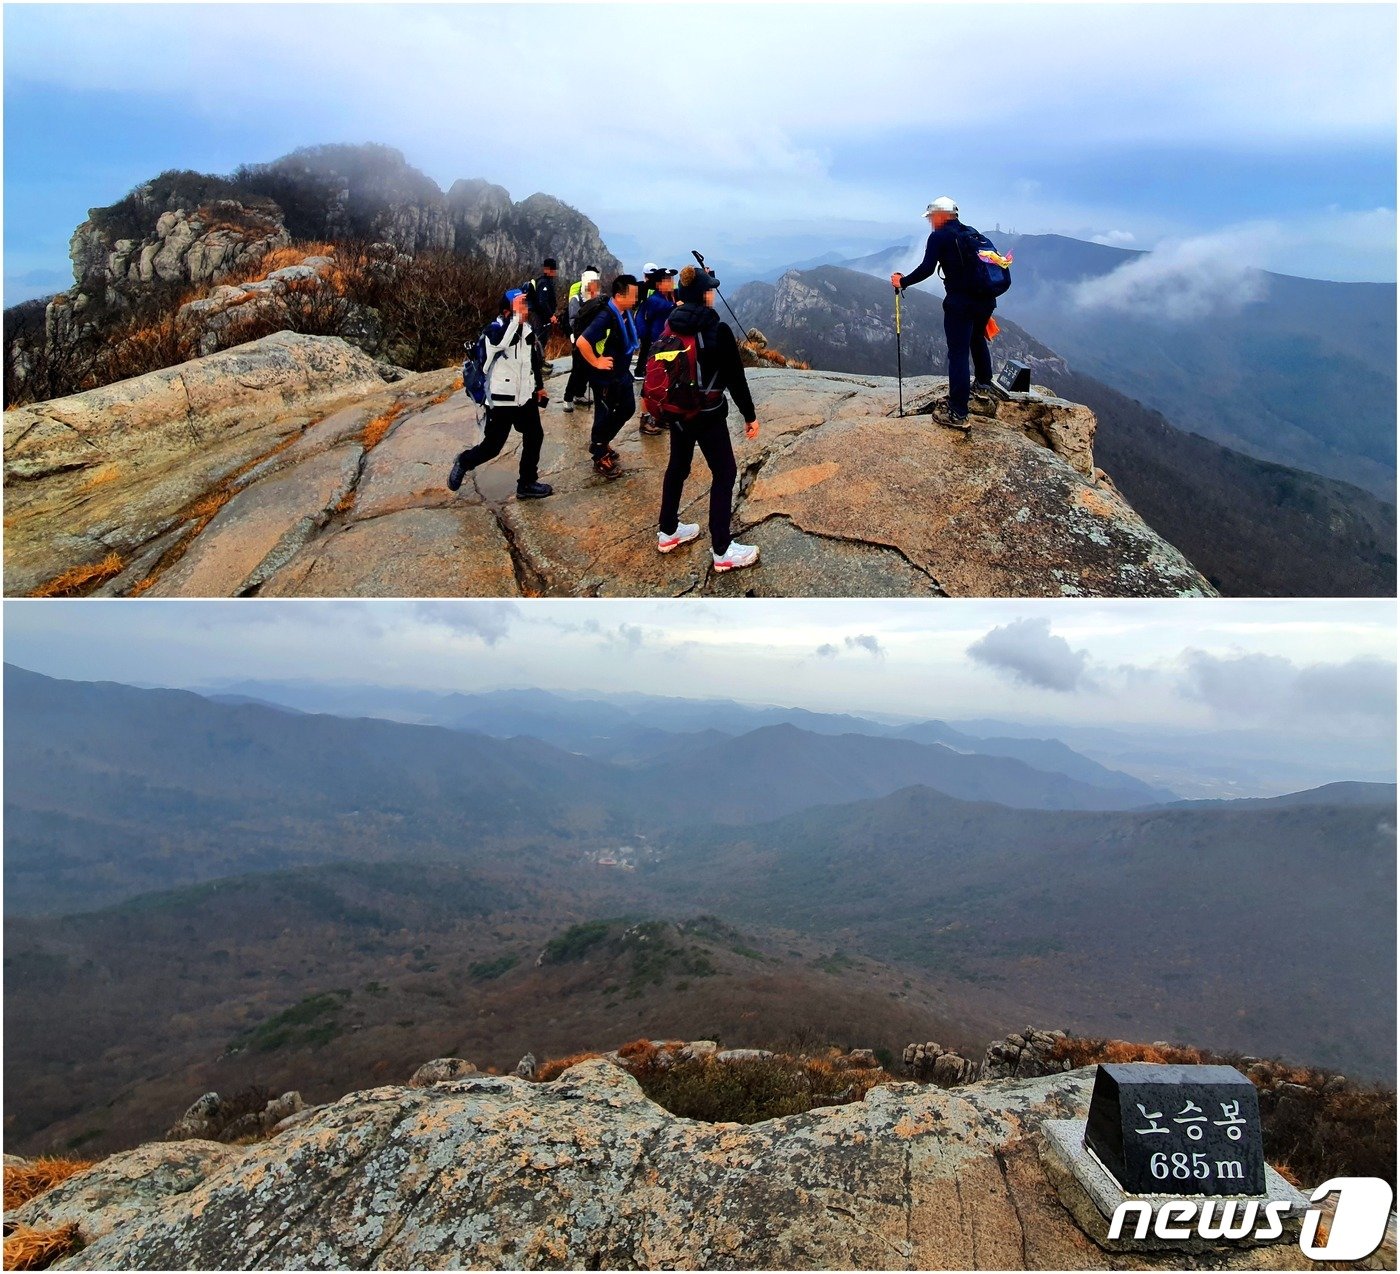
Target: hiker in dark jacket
514,395
543,303
721,369
965,316
584,291
651,318
607,344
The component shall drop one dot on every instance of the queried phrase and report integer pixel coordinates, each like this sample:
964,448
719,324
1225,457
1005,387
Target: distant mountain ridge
113,791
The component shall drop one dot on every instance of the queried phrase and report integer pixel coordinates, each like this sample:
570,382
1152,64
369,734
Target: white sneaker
735,556
684,533
568,406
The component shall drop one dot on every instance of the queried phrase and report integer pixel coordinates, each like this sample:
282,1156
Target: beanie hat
694,283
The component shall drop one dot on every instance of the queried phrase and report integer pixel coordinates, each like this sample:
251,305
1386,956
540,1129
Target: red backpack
672,388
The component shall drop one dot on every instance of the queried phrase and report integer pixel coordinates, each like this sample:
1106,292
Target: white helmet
942,204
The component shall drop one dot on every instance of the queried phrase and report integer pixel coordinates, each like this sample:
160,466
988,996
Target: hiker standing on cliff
967,307
514,366
607,344
582,292
651,319
695,327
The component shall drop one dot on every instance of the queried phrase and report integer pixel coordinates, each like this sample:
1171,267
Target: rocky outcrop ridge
843,497
194,229
1025,1055
586,1172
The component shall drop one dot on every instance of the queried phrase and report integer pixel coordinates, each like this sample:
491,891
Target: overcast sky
1299,666
760,134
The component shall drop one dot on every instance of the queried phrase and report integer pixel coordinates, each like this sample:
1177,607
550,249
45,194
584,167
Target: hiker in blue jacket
651,319
965,315
607,345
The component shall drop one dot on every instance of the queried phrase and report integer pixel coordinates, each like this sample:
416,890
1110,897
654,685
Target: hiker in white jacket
514,395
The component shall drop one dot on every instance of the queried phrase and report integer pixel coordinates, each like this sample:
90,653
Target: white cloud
1115,238
1185,280
1027,651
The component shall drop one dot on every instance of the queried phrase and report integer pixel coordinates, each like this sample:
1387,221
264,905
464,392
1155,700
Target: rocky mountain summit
585,1171
289,467
193,228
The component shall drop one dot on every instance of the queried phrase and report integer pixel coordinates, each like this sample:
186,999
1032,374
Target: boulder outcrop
586,1172
253,470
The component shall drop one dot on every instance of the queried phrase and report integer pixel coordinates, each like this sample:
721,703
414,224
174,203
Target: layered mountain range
189,876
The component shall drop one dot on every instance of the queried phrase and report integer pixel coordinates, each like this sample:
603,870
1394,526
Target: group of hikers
664,331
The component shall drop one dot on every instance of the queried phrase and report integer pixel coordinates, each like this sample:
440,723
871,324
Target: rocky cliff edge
289,467
586,1172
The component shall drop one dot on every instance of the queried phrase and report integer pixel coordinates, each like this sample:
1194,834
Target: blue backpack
476,370
985,271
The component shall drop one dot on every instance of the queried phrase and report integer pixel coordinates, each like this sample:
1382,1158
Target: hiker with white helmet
583,291
974,275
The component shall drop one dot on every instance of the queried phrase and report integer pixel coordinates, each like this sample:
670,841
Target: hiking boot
735,557
459,471
535,491
649,426
586,401
950,419
683,534
607,464
568,406
984,387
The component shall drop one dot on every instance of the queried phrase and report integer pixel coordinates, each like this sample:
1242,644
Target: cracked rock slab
585,1172
456,552
258,530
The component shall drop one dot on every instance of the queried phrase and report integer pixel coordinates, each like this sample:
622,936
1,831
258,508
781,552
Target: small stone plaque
1180,1130
1014,377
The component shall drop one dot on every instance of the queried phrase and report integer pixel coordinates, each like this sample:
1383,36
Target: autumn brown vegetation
30,1248
417,312
23,1181
741,1090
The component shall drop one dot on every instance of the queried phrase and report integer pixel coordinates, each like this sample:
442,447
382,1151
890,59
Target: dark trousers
711,434
499,422
578,378
965,326
613,404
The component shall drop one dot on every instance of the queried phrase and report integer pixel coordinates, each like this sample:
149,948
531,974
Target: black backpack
587,312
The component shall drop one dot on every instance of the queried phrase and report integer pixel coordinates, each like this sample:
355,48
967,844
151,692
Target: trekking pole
743,331
898,353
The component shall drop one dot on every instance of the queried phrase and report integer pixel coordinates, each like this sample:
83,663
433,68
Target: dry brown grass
557,1066
78,579
206,506
27,1180
378,427
777,359
294,254
28,1248
142,586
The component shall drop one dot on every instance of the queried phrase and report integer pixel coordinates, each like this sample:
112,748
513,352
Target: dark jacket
542,300
651,318
942,251
720,364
